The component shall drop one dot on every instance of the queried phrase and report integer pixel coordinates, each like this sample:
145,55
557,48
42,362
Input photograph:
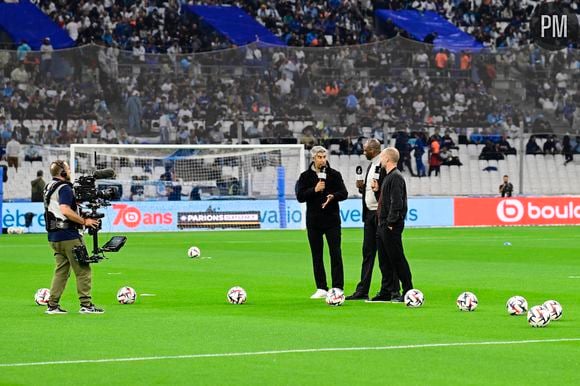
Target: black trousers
369,252
333,239
392,259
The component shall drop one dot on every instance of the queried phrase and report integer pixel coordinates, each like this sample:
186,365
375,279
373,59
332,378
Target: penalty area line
290,351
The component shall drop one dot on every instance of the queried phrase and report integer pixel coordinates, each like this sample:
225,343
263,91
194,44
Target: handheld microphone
359,173
322,174
377,172
104,174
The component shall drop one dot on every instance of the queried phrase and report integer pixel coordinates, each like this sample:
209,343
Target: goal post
209,173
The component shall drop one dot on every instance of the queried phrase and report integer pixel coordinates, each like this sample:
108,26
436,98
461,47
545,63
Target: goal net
202,171
240,173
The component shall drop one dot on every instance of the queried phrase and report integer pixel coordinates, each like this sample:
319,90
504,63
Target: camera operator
506,189
64,224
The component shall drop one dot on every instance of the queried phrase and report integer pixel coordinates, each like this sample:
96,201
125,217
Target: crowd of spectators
162,27
106,94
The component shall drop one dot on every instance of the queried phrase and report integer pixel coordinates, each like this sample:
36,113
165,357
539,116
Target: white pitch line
291,351
573,277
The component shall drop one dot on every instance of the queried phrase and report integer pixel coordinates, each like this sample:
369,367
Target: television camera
89,196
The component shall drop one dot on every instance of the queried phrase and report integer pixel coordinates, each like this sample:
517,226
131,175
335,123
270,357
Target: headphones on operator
61,165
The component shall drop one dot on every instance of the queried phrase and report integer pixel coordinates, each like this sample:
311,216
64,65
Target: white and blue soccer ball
126,295
538,316
414,298
554,308
467,301
237,295
41,296
193,252
335,297
516,305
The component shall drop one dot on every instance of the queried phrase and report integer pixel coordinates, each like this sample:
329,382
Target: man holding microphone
374,172
321,188
391,212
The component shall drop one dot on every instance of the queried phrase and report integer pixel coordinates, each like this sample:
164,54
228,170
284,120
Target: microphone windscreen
359,169
322,174
377,172
104,174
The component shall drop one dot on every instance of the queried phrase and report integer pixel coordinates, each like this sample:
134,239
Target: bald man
391,213
372,150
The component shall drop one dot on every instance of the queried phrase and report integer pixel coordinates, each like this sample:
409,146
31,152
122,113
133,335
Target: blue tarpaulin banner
420,24
235,24
24,21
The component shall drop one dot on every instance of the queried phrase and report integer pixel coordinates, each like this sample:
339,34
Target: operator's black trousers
392,257
333,239
369,252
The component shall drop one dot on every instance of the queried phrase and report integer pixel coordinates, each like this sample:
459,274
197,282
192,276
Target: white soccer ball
335,297
237,295
414,298
126,295
41,296
18,230
554,308
11,230
467,301
517,305
538,316
193,252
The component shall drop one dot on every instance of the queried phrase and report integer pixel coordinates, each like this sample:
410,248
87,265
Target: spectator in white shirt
285,85
13,151
109,135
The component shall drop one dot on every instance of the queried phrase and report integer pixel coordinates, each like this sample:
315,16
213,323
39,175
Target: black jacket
317,217
382,175
393,207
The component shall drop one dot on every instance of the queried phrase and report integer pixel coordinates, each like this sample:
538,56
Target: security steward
321,188
64,226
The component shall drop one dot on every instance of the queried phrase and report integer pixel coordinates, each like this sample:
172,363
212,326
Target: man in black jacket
322,187
391,213
372,150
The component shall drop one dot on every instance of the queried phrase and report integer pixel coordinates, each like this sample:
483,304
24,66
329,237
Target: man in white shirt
13,151
72,28
372,150
285,85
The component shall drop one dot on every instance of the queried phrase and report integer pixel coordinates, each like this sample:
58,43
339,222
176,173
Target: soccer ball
193,252
15,230
41,296
126,295
554,308
414,298
467,301
237,295
538,316
335,297
516,305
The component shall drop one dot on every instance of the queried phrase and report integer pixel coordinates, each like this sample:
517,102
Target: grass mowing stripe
291,351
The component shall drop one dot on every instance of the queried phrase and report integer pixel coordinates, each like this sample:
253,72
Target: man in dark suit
391,212
372,150
321,188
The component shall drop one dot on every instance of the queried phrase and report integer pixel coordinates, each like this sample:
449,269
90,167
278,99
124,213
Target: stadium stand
140,83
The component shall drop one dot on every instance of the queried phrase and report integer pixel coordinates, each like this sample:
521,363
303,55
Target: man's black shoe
397,299
357,296
380,298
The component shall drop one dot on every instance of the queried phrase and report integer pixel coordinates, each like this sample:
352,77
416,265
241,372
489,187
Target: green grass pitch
288,337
